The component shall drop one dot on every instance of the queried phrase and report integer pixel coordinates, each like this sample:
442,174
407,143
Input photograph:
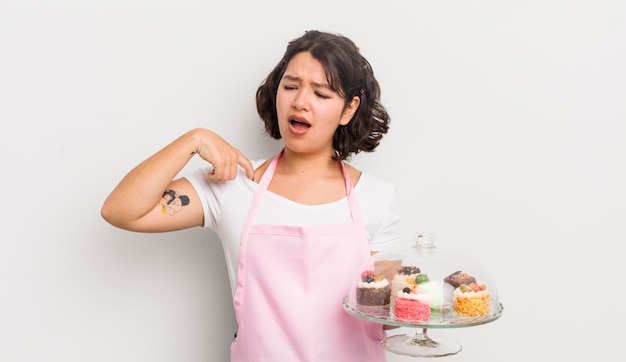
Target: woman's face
309,111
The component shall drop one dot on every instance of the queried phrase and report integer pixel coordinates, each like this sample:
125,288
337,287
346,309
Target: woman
295,228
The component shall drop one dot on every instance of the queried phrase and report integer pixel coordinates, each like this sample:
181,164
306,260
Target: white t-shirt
226,205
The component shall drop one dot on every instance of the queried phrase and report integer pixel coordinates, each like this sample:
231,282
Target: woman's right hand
222,155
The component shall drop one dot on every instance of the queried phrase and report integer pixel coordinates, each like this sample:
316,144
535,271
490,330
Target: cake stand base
420,345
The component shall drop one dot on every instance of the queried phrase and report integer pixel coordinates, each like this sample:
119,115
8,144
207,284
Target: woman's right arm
148,199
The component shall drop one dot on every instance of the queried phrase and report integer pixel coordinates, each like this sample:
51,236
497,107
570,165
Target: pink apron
290,287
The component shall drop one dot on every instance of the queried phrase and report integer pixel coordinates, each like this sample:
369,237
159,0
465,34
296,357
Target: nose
300,101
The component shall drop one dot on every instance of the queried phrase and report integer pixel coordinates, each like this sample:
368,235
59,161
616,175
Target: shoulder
199,180
375,193
257,163
372,183
353,172
365,183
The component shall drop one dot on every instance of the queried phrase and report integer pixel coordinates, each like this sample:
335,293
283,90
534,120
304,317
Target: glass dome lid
423,286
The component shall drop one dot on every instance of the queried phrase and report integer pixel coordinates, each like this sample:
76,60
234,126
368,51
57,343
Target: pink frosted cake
412,305
404,277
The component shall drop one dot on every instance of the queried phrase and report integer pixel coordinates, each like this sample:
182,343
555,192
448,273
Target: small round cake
373,292
471,300
452,281
459,277
412,305
405,277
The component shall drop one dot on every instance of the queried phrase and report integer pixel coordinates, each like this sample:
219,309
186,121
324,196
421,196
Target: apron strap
260,191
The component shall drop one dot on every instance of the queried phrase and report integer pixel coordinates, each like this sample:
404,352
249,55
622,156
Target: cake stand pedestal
421,344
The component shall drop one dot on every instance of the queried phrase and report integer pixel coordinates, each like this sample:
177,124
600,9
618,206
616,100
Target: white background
507,142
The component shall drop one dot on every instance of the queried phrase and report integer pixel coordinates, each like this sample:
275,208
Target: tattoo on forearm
172,202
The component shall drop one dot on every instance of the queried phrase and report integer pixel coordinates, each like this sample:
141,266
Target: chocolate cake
373,290
459,277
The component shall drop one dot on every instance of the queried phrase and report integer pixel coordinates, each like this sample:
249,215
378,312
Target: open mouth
299,124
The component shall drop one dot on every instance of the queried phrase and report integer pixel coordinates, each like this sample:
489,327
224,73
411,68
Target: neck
309,165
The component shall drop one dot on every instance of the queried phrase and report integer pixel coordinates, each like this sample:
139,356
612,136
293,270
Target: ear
349,111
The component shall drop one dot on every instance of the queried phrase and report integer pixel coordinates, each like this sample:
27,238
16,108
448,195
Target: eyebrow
296,78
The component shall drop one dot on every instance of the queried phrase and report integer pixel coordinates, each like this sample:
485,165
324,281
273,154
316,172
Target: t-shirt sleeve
214,196
200,183
388,234
381,212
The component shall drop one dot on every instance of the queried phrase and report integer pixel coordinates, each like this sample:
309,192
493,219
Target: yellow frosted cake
471,300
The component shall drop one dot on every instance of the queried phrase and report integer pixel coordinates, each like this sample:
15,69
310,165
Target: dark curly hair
349,74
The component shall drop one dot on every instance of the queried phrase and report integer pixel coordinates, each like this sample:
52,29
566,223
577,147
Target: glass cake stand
437,265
